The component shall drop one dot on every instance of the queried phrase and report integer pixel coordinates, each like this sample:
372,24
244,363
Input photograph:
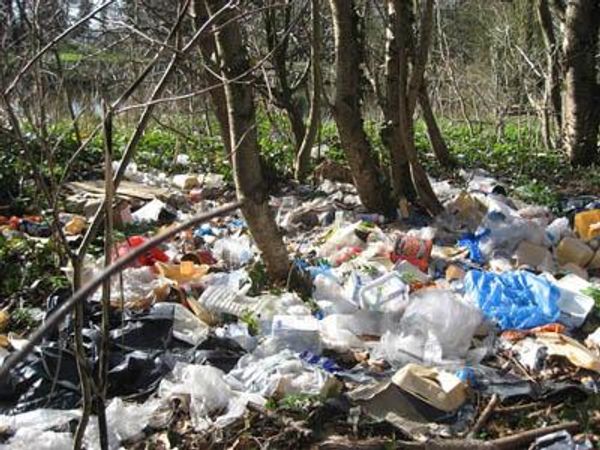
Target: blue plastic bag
471,242
515,300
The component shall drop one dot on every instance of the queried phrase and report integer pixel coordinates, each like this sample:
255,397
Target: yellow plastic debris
587,224
75,226
185,272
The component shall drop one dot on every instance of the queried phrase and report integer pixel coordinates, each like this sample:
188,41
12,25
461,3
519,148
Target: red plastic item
414,250
153,255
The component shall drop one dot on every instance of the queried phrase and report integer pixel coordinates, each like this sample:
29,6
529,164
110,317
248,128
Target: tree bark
552,94
390,136
409,90
250,185
284,95
302,163
347,111
433,130
582,97
208,49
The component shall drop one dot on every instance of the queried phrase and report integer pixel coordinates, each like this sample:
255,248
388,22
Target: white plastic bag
278,374
436,326
233,251
208,392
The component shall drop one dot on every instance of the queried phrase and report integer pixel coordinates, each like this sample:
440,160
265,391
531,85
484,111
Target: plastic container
571,250
574,305
388,293
222,300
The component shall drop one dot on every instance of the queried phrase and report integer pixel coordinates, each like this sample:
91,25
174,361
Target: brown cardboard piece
414,399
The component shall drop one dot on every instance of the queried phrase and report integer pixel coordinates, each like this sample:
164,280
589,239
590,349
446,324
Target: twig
485,415
516,408
106,285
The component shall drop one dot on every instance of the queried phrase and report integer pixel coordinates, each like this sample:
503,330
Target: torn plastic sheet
515,300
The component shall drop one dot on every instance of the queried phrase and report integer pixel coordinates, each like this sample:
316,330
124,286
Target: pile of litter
412,322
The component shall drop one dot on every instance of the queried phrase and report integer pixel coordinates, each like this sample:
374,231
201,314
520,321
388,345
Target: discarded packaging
388,293
577,354
573,303
440,389
587,224
572,250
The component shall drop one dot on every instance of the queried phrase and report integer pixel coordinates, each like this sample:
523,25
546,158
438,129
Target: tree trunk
390,136
284,94
248,176
209,54
581,100
409,89
552,94
302,163
347,112
435,135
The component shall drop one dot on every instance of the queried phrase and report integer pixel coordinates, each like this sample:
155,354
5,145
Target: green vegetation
28,265
516,155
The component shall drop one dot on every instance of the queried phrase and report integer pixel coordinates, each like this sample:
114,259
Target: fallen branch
485,415
517,440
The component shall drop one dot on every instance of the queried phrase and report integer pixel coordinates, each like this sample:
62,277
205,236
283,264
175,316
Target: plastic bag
209,393
353,235
515,300
124,421
278,374
153,255
234,251
34,427
436,327
297,333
